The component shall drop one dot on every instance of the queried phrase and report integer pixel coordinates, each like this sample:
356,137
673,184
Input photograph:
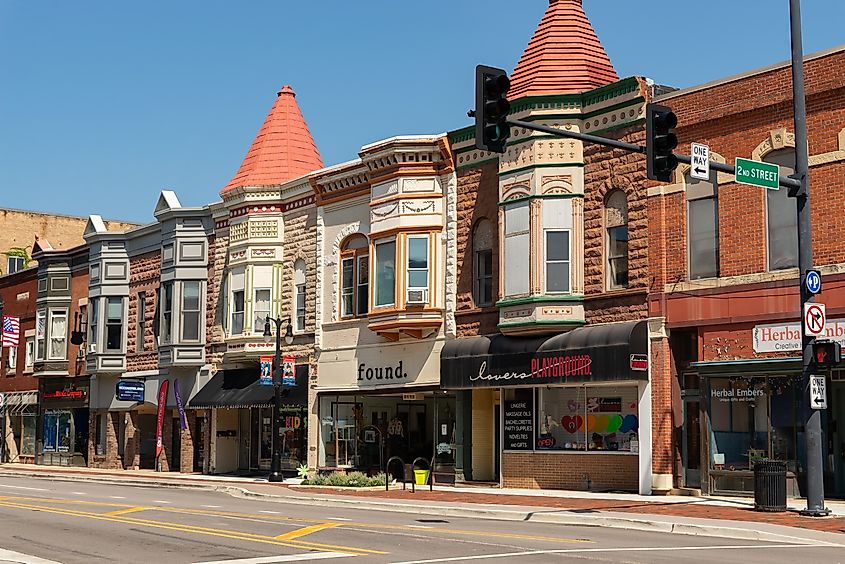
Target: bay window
29,363
557,262
237,312
354,277
114,324
166,313
58,335
385,290
93,323
299,294
260,309
191,310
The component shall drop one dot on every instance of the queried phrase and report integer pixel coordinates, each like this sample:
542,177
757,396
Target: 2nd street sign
756,173
700,161
818,392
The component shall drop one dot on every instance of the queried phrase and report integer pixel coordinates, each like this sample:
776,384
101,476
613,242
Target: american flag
11,331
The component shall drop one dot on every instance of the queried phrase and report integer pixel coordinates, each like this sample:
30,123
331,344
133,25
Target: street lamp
276,462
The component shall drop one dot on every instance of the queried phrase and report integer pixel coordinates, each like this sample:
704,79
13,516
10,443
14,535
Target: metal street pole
812,424
276,462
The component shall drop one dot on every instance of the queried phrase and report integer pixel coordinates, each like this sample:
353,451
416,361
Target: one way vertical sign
700,161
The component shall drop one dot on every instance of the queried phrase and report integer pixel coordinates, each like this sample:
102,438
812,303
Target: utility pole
812,424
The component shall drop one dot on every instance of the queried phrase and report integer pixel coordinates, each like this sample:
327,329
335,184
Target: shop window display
588,419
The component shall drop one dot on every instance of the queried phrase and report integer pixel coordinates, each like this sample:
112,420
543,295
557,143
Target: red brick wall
478,196
662,427
535,470
19,293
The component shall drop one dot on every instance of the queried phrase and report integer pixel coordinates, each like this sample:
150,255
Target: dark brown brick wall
144,276
562,471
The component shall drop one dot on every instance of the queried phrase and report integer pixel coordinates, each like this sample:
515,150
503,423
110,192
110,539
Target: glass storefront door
692,442
836,450
255,449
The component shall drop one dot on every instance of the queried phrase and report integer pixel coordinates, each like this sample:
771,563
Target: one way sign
700,161
818,392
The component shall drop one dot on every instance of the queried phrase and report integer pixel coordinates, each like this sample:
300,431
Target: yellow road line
306,531
195,529
126,511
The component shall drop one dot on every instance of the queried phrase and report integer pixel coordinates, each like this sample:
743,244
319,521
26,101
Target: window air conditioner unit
92,348
418,296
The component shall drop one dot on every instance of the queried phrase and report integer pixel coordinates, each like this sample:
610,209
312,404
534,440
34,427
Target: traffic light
491,109
660,142
826,354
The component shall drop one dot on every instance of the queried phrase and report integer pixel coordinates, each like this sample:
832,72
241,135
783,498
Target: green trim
748,365
540,323
540,197
633,102
544,165
462,134
475,164
535,299
618,127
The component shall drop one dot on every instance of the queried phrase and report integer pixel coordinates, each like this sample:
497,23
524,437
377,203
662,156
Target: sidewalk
670,513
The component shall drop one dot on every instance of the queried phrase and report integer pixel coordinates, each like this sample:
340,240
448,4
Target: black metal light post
276,462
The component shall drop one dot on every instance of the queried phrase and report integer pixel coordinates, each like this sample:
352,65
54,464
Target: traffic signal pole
812,424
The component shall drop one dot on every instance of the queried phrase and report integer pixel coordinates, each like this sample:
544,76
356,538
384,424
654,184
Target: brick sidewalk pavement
694,509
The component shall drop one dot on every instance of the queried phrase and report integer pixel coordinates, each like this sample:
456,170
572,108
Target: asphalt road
44,521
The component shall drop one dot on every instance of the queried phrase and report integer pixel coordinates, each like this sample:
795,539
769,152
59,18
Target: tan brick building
18,229
723,261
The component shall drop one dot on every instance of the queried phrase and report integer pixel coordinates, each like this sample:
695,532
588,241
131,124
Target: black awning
241,388
614,351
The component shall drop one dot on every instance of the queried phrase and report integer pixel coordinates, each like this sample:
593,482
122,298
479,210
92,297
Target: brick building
723,262
18,386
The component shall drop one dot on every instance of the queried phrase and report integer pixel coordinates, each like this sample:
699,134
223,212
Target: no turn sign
814,319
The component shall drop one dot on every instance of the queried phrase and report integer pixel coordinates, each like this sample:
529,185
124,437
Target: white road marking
79,493
20,558
337,519
608,550
117,497
270,512
420,527
283,558
211,506
161,501
24,488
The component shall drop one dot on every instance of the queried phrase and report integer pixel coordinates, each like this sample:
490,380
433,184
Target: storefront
572,411
379,402
242,421
18,413
62,434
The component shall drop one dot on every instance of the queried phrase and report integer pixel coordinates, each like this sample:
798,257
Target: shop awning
750,366
609,352
20,403
241,388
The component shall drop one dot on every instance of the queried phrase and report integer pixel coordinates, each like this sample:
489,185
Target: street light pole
278,384
813,428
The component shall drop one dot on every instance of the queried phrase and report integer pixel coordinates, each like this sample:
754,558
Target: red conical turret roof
565,55
283,148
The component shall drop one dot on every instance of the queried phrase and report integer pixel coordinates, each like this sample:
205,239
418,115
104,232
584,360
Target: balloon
601,423
629,424
614,423
591,422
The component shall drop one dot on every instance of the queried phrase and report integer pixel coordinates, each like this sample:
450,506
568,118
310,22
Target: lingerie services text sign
778,337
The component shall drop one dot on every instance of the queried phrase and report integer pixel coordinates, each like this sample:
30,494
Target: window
15,264
595,418
557,262
482,249
385,290
299,294
30,354
141,326
166,328
260,309
703,228
417,261
616,222
93,325
114,324
782,216
237,312
12,361
354,277
40,334
191,311
58,335
517,252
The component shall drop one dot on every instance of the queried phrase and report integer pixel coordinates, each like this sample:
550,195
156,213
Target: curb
540,515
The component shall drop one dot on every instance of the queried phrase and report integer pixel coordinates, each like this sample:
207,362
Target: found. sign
700,161
818,392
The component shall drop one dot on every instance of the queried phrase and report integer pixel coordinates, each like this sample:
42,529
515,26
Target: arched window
299,293
782,216
354,276
482,260
616,223
702,227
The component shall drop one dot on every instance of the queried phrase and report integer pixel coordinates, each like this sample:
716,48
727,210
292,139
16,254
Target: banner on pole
266,370
288,375
162,404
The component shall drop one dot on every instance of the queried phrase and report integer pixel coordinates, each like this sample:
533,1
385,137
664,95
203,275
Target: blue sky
104,104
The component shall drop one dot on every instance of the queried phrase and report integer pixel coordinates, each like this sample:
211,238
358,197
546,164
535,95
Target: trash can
770,485
421,477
